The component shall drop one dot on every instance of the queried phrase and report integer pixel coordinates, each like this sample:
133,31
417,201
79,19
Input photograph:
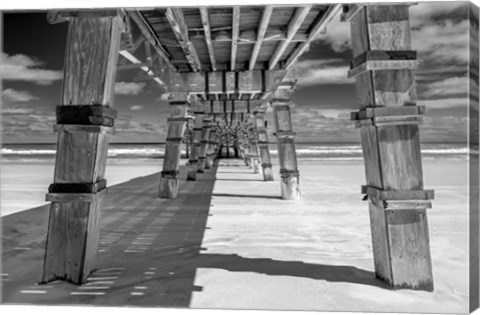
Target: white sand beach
23,186
295,247
312,254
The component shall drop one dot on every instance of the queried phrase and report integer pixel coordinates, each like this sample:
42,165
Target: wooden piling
202,155
193,163
211,147
169,180
290,177
263,146
253,149
384,69
84,122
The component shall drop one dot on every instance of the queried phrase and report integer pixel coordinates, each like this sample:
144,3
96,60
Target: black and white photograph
280,156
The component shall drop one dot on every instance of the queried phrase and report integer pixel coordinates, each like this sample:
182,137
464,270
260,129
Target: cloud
21,68
129,88
20,123
442,43
14,96
126,124
314,72
446,87
447,128
444,103
337,34
136,108
316,124
426,12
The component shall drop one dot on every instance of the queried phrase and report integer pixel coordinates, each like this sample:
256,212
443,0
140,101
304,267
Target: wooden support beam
144,67
90,66
208,36
235,31
392,154
293,26
317,28
193,163
179,27
262,28
208,84
202,155
263,146
151,37
287,156
249,37
169,180
253,148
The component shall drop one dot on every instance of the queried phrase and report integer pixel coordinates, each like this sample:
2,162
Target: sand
23,186
250,250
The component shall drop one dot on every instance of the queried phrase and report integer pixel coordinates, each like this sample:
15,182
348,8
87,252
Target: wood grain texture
89,76
89,73
171,161
391,148
290,182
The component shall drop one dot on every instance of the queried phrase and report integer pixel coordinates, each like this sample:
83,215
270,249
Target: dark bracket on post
97,115
399,199
387,116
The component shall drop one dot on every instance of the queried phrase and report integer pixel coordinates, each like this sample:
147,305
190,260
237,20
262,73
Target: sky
31,63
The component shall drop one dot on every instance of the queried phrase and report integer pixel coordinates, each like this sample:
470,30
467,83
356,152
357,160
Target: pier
223,69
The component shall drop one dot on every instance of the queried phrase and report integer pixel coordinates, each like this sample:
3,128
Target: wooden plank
208,36
262,28
292,28
408,271
407,204
383,65
179,27
317,28
398,194
82,129
151,37
145,67
235,32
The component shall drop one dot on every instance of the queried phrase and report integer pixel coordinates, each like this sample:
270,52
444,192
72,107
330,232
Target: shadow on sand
160,272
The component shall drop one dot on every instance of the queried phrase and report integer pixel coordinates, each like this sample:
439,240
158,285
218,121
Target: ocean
306,152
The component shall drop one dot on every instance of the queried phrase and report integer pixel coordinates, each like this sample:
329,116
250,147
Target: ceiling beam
208,36
151,36
292,28
179,27
262,29
130,57
318,27
235,31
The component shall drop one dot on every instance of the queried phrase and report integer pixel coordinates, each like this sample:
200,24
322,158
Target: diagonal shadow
300,269
175,254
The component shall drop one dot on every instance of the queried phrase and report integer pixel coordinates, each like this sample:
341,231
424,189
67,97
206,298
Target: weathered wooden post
193,165
84,121
211,146
253,148
263,145
169,179
202,156
384,69
290,177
